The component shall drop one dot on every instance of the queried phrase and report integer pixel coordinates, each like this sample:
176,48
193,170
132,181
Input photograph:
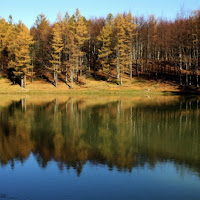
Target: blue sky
27,10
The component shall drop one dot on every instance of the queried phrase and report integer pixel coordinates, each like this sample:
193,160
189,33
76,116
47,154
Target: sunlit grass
136,86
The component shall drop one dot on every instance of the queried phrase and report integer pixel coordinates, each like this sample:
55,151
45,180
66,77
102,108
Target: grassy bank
134,87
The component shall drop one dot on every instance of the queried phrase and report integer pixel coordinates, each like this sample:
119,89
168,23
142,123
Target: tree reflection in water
118,132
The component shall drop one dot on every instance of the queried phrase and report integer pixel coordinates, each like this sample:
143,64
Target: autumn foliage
114,48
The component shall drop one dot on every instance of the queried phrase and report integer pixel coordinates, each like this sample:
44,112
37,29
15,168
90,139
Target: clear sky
27,10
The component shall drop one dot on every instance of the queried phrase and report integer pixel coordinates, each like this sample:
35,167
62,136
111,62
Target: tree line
112,48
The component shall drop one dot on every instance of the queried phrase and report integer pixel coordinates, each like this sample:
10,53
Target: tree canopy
116,48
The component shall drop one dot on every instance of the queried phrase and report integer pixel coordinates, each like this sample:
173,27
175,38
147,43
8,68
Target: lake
96,147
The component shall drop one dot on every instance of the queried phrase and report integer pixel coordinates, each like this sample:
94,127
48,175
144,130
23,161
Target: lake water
60,147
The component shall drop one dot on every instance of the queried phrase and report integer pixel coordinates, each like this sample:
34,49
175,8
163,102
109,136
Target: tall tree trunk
180,77
131,63
180,63
190,80
121,78
56,79
141,58
190,68
148,53
89,56
137,54
22,82
118,68
81,62
186,79
32,73
77,76
77,69
137,67
71,77
54,74
86,77
25,81
196,66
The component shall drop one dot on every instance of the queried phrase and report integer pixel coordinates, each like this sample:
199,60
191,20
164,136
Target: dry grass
135,85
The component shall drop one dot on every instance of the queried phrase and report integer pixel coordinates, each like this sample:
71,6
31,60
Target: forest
110,49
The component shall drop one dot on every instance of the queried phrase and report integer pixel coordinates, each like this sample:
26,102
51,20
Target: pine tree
57,45
21,61
106,51
42,34
129,31
66,41
80,36
121,45
70,47
4,32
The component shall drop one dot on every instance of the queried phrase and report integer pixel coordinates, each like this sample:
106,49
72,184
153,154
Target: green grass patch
138,81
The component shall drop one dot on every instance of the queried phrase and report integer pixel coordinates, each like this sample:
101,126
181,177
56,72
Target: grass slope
137,86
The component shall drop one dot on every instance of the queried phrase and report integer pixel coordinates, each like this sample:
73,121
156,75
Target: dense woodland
112,49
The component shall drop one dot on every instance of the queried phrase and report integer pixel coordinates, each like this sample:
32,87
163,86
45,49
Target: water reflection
121,133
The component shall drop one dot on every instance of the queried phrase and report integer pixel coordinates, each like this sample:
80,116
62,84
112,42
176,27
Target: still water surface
99,148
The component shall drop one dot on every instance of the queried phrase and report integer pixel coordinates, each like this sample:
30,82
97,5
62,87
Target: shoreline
135,87
121,92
